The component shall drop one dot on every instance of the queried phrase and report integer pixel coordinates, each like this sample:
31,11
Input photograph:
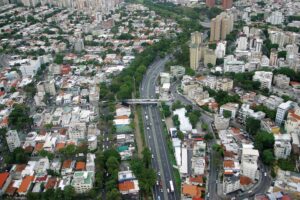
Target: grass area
141,124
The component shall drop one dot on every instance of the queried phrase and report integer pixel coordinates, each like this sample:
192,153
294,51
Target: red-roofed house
191,190
5,180
51,183
25,185
129,187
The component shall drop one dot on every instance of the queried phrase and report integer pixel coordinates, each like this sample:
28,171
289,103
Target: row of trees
143,172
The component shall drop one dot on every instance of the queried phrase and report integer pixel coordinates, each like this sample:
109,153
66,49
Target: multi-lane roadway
154,135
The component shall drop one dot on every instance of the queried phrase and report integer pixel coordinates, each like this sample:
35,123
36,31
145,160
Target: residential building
231,107
83,181
92,142
265,79
196,49
275,18
292,123
231,183
26,183
281,81
5,180
249,161
190,191
210,3
231,64
220,50
13,140
129,187
242,43
245,112
221,25
90,162
273,57
224,84
282,146
282,111
164,78
209,57
177,71
269,126
226,4
221,123
272,102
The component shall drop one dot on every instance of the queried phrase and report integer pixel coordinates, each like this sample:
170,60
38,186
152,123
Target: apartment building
221,25
281,81
83,181
282,146
282,111
13,140
265,79
249,161
231,107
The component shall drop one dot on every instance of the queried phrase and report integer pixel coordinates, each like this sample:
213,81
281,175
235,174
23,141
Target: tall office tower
195,49
220,26
210,3
226,4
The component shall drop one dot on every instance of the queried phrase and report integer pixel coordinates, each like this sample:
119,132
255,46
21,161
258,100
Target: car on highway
148,128
265,174
250,191
152,156
158,173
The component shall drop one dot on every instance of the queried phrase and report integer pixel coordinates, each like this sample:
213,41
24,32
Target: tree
44,153
252,125
48,127
268,157
147,180
69,192
69,151
58,59
282,54
19,117
264,140
227,113
204,126
30,90
180,135
146,157
166,109
208,136
176,121
114,194
112,164
209,65
176,105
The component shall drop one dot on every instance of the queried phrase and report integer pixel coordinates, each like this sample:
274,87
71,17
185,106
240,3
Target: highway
154,137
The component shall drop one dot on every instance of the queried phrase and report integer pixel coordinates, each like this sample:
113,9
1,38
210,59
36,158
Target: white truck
171,186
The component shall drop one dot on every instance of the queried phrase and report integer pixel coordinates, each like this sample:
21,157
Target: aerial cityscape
150,99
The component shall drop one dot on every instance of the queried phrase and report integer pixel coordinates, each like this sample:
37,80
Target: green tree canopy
252,125
19,118
264,140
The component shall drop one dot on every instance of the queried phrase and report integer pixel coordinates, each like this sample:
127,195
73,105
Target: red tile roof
11,190
66,164
197,179
244,180
191,190
51,183
80,166
125,186
3,178
20,167
228,164
25,184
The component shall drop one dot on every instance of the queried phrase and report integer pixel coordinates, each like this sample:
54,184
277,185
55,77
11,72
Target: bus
171,186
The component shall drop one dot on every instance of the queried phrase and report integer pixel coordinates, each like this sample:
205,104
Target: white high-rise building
249,161
275,18
13,140
265,78
282,111
282,146
242,43
220,50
